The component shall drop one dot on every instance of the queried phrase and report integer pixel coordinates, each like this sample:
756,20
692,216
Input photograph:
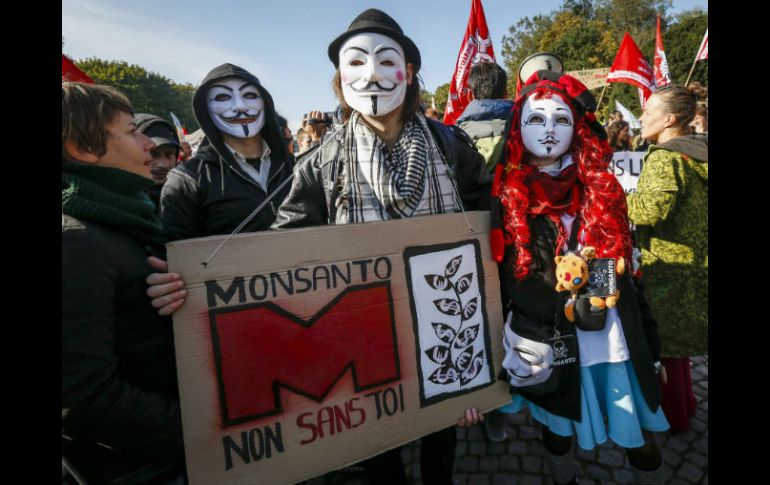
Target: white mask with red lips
236,107
373,74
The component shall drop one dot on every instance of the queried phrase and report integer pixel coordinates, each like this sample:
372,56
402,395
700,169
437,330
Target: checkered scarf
411,180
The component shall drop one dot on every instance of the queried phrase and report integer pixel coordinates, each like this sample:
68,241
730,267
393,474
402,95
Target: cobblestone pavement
520,459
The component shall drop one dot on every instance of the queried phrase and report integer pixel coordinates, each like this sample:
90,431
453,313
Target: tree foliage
586,34
442,96
149,92
682,41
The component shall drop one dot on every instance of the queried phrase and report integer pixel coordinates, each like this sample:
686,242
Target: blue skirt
611,392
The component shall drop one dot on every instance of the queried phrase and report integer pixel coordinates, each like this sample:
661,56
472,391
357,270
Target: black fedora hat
377,21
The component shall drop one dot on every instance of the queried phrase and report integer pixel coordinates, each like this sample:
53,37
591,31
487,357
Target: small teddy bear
572,275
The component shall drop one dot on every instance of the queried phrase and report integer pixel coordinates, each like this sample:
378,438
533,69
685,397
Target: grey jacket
313,197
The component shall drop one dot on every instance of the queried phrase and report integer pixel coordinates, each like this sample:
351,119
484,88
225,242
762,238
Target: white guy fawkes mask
236,107
547,126
373,74
528,362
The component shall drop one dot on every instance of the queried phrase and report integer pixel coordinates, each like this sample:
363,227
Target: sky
282,42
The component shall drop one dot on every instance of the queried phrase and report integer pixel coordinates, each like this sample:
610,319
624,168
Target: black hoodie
210,194
694,146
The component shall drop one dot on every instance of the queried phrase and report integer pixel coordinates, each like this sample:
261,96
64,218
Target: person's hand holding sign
167,290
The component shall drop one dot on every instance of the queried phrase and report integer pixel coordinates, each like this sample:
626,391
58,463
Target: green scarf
109,196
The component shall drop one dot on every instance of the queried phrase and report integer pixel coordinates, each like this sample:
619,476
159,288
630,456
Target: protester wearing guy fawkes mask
386,161
244,160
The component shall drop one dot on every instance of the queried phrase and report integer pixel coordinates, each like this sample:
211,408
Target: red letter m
260,348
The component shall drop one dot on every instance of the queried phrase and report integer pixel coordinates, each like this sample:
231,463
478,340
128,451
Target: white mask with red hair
547,126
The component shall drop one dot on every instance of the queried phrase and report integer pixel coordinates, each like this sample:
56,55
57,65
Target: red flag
662,76
476,47
703,50
630,67
70,72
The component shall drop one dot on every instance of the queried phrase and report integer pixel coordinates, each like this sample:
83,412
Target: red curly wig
602,209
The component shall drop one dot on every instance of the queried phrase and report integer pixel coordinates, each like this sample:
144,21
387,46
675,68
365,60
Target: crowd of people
538,162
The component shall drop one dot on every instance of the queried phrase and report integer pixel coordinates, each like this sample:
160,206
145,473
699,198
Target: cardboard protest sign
591,78
627,166
302,351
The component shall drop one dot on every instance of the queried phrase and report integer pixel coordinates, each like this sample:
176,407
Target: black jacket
209,194
314,190
536,298
120,404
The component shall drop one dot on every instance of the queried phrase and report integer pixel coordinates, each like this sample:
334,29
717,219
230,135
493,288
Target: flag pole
691,69
697,56
601,96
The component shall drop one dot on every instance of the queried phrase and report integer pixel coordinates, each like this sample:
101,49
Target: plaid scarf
411,180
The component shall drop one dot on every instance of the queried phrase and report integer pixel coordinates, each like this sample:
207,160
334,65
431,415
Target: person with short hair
120,405
485,117
165,153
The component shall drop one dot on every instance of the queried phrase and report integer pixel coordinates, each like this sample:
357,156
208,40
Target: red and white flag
630,66
662,75
703,50
71,72
476,47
